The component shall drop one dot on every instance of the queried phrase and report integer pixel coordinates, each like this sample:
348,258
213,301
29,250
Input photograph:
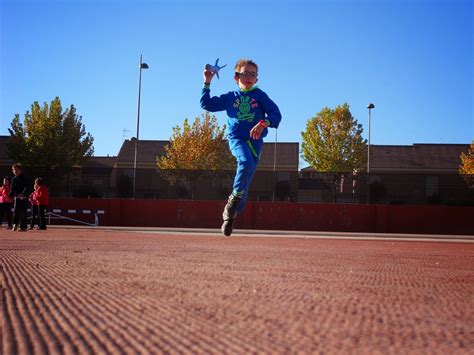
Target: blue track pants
247,153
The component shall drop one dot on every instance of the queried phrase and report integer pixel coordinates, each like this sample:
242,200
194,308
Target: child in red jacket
42,200
6,202
34,209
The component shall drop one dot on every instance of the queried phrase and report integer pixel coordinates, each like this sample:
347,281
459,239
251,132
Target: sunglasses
247,74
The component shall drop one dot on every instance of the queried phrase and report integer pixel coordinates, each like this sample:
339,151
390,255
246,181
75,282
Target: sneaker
23,230
228,227
229,214
15,227
230,210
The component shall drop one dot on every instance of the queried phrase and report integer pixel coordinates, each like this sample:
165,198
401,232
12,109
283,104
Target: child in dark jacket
20,190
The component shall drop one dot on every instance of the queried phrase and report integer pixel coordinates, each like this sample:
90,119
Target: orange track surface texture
108,292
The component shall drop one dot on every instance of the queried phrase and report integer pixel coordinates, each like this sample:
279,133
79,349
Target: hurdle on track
57,213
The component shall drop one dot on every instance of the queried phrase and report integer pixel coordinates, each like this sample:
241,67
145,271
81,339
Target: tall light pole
142,66
370,106
274,163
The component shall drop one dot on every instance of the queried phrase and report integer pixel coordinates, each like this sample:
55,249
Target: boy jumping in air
250,112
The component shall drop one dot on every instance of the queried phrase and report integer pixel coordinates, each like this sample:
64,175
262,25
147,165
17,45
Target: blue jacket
244,110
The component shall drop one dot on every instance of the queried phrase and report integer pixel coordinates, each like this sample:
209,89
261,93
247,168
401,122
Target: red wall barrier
279,216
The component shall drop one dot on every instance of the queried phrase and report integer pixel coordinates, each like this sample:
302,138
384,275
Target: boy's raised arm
207,75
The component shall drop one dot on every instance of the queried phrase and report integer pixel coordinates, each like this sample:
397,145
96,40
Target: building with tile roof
285,156
416,158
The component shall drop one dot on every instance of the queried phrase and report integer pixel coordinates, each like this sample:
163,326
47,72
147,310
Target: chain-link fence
387,188
380,188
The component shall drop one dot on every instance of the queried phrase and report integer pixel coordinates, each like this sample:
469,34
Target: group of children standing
16,193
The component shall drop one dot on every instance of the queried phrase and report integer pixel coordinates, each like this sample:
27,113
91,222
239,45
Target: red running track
78,291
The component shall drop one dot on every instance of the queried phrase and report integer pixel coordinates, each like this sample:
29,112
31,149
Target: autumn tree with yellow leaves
196,152
50,140
49,137
332,143
466,169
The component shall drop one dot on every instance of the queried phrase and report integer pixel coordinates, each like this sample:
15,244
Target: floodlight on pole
142,66
370,106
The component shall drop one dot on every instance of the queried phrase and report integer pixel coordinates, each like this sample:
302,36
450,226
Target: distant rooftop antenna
125,133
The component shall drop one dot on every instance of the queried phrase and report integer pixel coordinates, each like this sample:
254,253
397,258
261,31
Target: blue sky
412,58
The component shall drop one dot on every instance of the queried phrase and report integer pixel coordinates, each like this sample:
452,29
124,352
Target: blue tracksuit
244,110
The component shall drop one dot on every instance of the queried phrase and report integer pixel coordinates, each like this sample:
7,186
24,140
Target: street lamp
370,106
142,66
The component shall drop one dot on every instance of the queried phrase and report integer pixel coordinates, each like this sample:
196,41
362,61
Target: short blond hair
241,62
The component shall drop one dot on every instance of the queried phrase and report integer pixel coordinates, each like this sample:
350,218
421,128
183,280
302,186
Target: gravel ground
75,291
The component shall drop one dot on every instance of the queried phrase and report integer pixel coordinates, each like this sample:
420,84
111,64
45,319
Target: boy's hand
256,131
207,75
